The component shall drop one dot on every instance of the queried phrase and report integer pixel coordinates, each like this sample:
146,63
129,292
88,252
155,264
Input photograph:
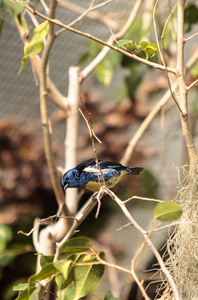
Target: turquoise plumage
87,175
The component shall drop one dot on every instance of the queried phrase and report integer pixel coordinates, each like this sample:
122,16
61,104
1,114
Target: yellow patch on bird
95,186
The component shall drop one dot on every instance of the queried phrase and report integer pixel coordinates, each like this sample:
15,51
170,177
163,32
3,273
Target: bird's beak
66,186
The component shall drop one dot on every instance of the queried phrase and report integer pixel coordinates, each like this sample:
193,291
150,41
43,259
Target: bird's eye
67,178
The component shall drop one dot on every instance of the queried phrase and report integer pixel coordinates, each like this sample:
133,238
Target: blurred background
119,95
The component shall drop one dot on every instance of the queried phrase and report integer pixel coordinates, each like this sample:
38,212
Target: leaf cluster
77,273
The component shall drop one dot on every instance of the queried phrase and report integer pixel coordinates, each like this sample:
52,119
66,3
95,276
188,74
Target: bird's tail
135,171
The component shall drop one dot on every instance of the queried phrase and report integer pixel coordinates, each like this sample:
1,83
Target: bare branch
146,238
44,112
89,36
183,89
71,138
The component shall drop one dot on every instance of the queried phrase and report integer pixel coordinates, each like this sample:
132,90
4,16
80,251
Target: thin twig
170,83
143,198
190,37
93,15
38,223
92,135
139,283
192,84
91,8
102,261
167,226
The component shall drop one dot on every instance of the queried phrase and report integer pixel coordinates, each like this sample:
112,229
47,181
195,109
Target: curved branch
89,36
44,112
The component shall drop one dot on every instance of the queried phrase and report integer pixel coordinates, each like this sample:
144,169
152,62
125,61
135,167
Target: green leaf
104,72
149,49
45,259
5,236
63,283
1,25
25,295
36,44
35,295
87,277
125,42
109,296
63,267
59,279
69,293
194,105
48,271
115,58
21,287
167,211
76,245
66,267
129,44
14,8
190,16
194,70
1,6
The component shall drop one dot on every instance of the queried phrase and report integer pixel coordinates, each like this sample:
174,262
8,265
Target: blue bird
87,175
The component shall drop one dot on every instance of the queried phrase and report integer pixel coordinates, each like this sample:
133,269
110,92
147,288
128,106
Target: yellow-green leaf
36,44
194,70
63,266
149,49
167,211
14,8
104,72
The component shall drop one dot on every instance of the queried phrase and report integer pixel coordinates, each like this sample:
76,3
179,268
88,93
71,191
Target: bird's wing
111,165
87,163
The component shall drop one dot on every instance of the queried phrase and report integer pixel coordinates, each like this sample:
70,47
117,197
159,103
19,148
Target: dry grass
182,246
